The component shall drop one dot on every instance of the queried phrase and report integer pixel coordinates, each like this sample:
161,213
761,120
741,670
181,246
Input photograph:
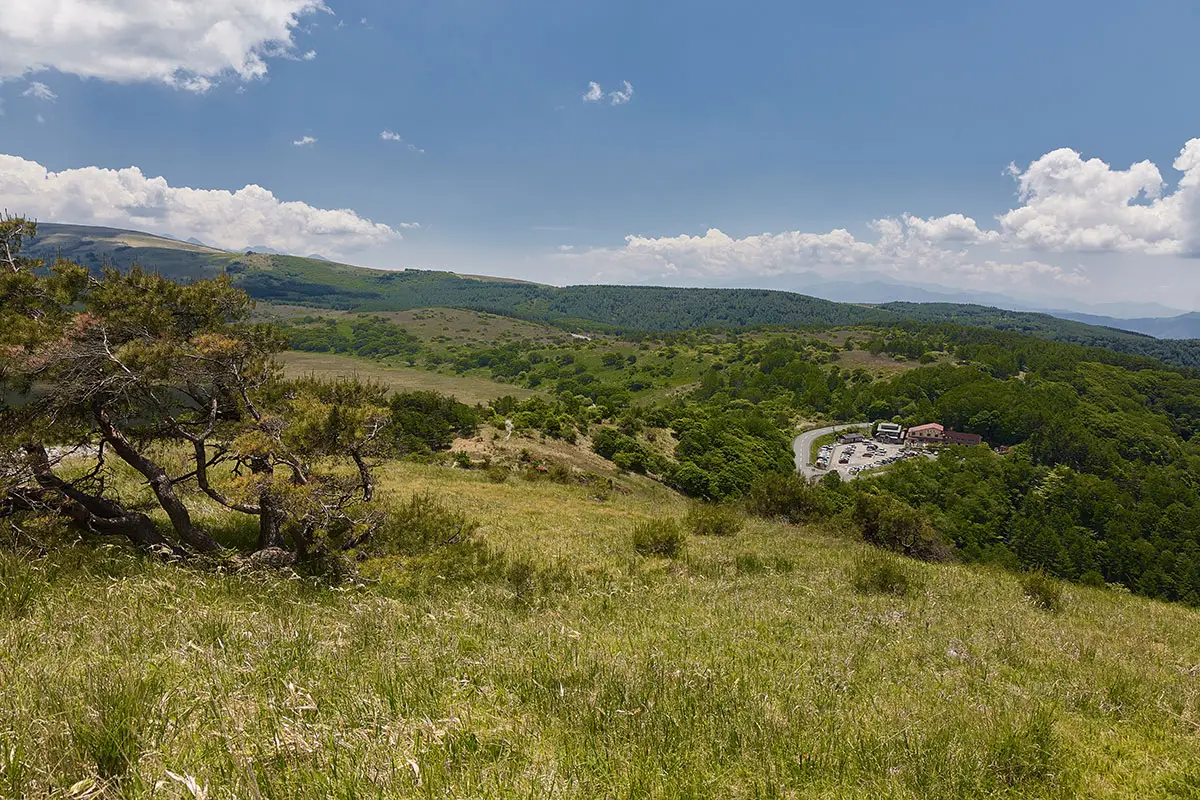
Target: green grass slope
554,662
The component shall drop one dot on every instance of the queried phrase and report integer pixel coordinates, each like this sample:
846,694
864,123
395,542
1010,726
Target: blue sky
779,118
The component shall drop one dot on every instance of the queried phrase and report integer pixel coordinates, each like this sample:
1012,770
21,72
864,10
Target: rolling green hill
318,283
546,658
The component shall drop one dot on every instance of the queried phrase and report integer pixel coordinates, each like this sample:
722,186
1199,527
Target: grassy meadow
469,389
548,659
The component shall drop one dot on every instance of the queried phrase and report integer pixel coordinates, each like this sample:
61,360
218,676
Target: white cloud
619,97
128,199
1068,205
1188,197
392,136
950,228
304,141
622,96
189,45
309,55
39,91
906,248
1075,205
40,119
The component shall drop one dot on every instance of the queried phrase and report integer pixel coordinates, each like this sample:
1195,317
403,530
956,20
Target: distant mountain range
1181,326
277,278
870,288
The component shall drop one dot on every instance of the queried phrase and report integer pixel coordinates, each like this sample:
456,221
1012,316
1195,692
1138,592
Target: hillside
615,587
548,659
317,283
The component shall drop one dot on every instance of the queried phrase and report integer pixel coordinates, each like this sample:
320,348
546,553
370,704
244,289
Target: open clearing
552,661
468,389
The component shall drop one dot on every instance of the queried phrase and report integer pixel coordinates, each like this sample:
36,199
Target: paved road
802,446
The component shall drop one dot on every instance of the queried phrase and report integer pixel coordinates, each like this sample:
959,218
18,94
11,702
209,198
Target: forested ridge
322,284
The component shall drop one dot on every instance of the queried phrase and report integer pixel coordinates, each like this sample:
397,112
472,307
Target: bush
421,523
705,519
560,473
893,525
659,537
1044,591
691,480
788,497
880,573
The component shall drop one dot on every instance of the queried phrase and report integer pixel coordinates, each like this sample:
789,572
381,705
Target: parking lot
851,459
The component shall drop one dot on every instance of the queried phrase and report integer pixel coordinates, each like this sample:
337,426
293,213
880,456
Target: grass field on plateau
548,659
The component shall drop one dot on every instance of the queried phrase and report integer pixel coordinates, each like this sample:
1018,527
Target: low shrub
706,519
790,498
894,525
418,524
1044,591
659,537
881,573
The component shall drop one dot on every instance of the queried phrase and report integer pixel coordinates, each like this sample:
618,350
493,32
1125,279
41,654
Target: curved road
802,446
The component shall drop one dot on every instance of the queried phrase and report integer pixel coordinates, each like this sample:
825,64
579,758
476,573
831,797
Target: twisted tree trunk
160,483
88,512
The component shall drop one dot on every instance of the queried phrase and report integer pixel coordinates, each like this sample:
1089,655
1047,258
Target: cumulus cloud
128,199
594,93
1188,197
304,141
907,247
950,228
1072,204
622,96
39,91
1067,205
187,45
390,136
